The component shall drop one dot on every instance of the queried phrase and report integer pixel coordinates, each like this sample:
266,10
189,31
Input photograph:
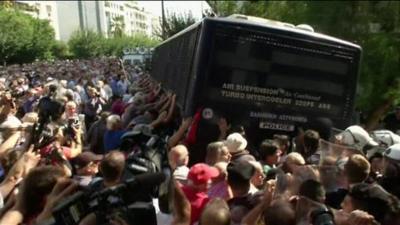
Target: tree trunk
375,116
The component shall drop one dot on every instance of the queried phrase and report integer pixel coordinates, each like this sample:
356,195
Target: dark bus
268,77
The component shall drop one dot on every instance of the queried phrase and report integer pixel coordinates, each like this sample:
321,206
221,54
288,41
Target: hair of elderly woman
113,122
214,151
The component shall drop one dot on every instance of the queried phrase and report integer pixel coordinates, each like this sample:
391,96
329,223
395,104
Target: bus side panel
200,68
172,63
275,81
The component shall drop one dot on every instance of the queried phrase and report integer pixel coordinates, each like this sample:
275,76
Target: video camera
130,201
147,152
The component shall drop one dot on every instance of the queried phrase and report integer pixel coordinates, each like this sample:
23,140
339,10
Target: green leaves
89,44
23,38
85,44
173,24
118,26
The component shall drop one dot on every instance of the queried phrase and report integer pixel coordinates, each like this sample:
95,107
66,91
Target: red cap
201,173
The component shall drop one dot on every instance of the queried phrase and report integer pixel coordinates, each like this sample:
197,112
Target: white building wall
69,19
66,17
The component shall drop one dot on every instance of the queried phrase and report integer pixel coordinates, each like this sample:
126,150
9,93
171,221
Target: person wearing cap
391,170
199,180
236,145
356,139
86,166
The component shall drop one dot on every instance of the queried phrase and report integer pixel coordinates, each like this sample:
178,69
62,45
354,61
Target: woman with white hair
113,134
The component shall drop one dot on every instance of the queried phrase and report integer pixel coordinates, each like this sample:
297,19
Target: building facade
66,17
135,19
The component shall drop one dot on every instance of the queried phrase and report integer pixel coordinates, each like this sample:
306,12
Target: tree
85,44
379,85
23,38
60,50
118,26
225,8
115,46
173,24
88,44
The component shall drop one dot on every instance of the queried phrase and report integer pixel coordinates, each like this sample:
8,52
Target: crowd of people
68,126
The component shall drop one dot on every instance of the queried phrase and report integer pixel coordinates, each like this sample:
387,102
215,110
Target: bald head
178,156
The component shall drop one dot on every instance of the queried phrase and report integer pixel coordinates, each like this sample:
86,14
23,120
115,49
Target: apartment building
66,17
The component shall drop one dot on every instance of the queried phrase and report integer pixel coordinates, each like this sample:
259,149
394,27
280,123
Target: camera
72,123
130,200
322,216
144,150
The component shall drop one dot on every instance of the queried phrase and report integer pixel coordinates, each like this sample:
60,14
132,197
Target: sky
174,6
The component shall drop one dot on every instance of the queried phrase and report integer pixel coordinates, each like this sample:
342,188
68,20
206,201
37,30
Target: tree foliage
85,44
88,44
115,46
173,24
24,38
60,50
374,25
117,26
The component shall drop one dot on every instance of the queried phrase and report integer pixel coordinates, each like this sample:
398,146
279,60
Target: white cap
355,136
385,137
235,142
393,152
